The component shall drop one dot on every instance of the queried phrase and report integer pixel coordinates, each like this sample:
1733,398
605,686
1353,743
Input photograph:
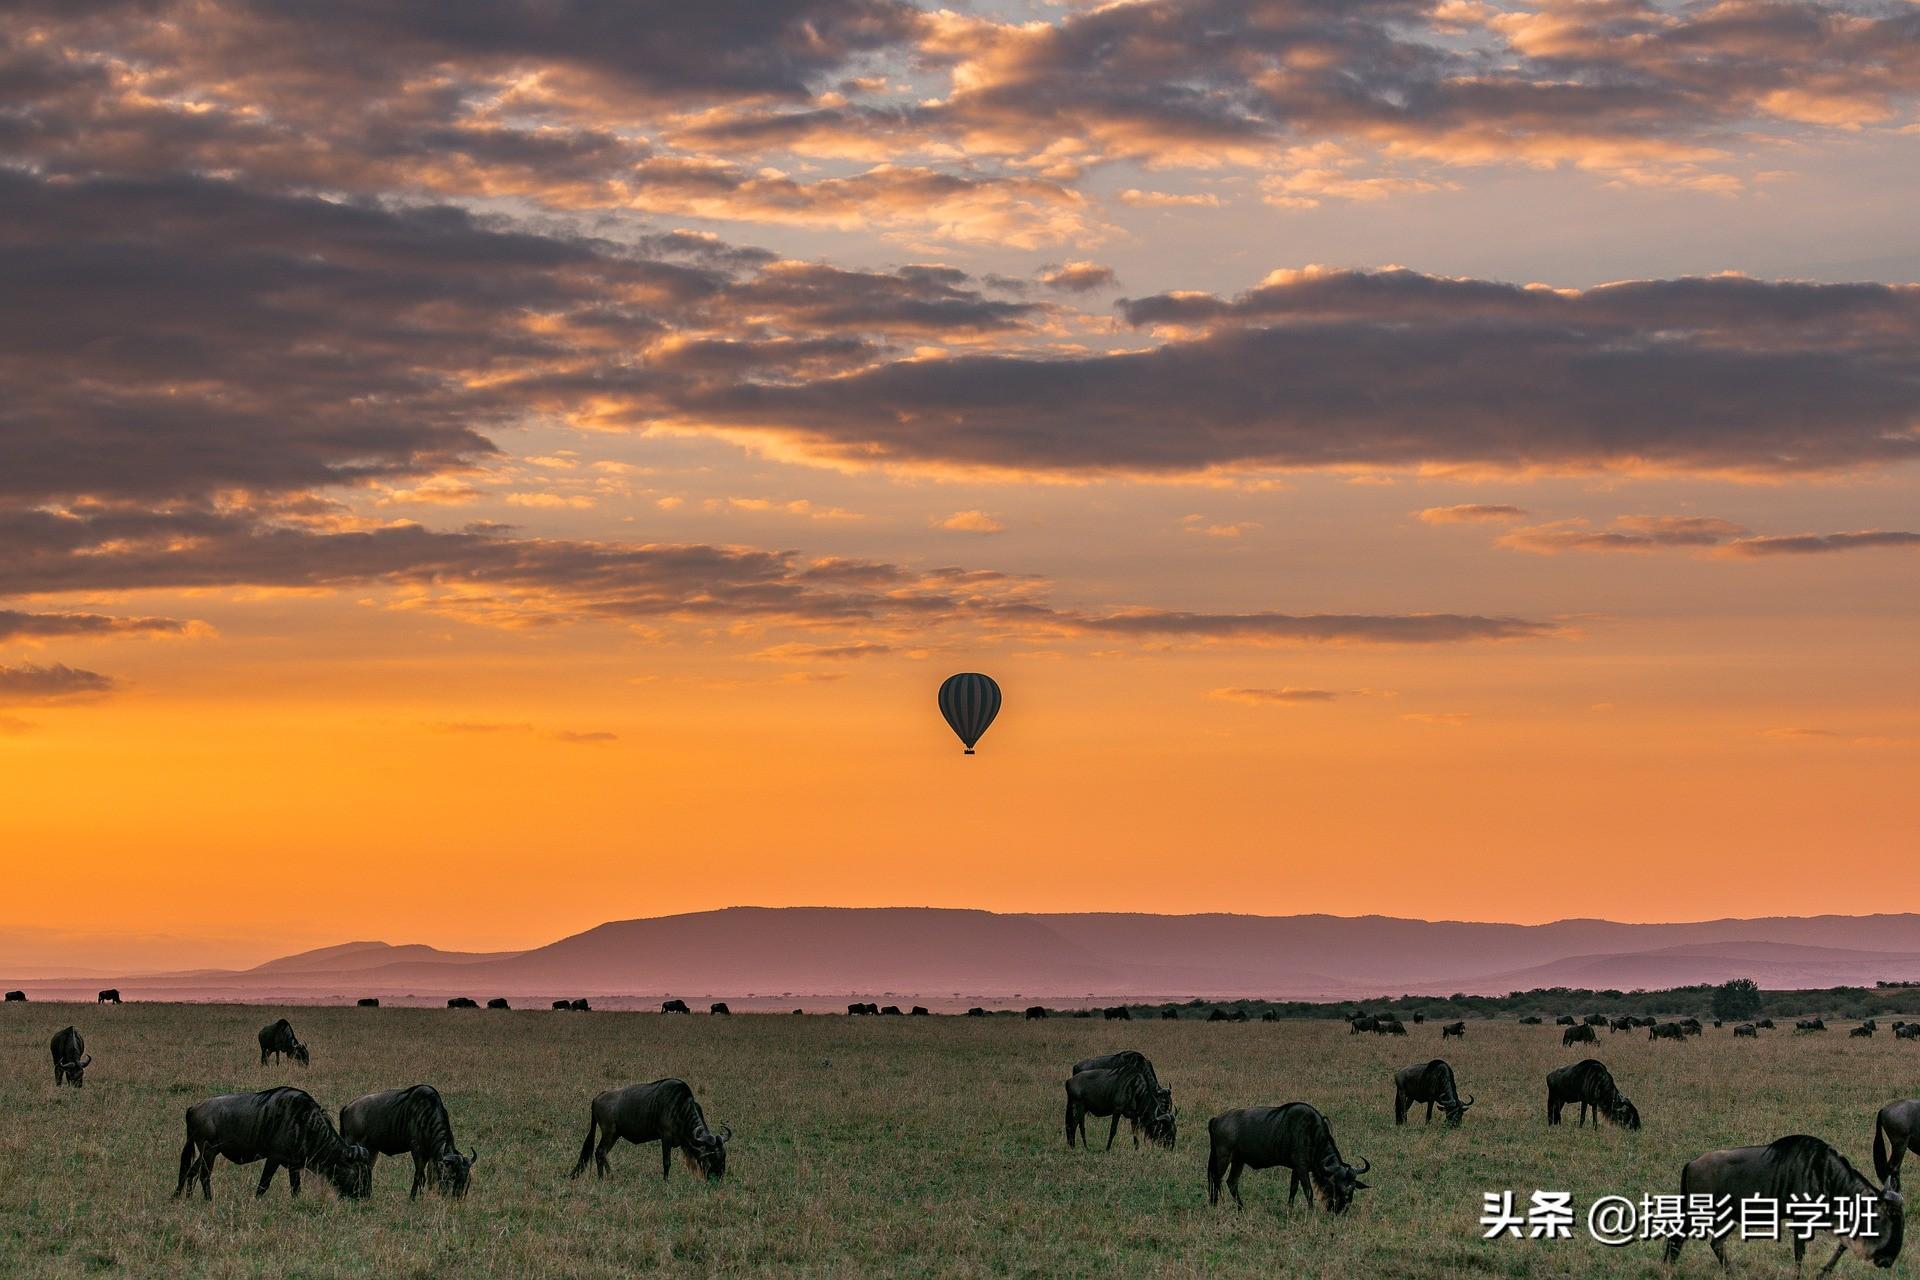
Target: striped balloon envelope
969,701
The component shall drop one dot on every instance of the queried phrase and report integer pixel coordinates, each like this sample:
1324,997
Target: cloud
1288,696
970,522
587,737
1471,513
58,682
1076,277
17,625
1391,629
826,652
1822,543
1628,533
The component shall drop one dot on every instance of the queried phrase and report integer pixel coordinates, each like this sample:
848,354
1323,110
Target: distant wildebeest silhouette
110,996
1590,1084
16,997
411,1121
277,1038
663,1111
918,1011
1860,1033
976,1012
1911,1031
1270,1016
1419,1018
1294,1137
1577,1033
1746,1029
1765,1024
1791,1168
70,1058
1122,1086
1810,1024
1596,1019
681,1006
798,1012
1690,1026
1218,1015
498,1002
580,1005
1117,1013
1621,1024
282,1126
463,1002
1431,1083
1667,1031
1565,1020
563,1004
1532,1020
368,1002
1170,1015
1361,1022
1036,1011
1454,1030
719,1008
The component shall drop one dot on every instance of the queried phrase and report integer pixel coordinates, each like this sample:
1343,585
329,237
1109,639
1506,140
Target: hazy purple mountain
826,951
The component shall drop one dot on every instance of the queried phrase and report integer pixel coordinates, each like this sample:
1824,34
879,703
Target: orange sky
500,481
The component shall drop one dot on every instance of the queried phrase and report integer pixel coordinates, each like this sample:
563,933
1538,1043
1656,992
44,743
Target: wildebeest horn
473,1156
726,1133
1365,1164
1467,1103
87,1061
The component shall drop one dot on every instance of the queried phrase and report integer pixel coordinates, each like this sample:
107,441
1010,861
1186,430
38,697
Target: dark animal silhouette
1431,1083
463,1002
1596,1020
410,1121
1590,1084
719,1009
1895,1131
918,1011
1565,1020
498,1002
1419,1018
1126,1090
1170,1015
1036,1011
976,1012
284,1127
1796,1165
1454,1030
563,1004
1765,1023
277,1038
1809,1024
1622,1024
16,997
110,996
1667,1031
1117,1013
1909,1032
1577,1034
891,1011
1746,1029
1532,1020
1294,1137
580,1005
1860,1033
1269,1016
663,1111
1362,1023
681,1006
368,1002
70,1058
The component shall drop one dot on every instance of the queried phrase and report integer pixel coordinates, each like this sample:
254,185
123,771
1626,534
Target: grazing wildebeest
410,1121
1790,1167
976,1012
1126,1088
1295,1137
1746,1029
1911,1031
282,1126
1170,1015
1362,1023
919,1011
70,1058
498,1002
1036,1011
16,997
1861,1033
873,1010
580,1005
110,996
1667,1031
891,1011
1270,1016
463,1002
664,1112
1454,1030
1870,1024
1117,1013
563,1004
1532,1020
368,1002
1428,1082
1596,1019
681,1006
1565,1020
1590,1084
1621,1024
1691,1026
1419,1018
1809,1024
799,1013
1895,1132
1577,1034
719,1009
1240,1015
1766,1023
277,1038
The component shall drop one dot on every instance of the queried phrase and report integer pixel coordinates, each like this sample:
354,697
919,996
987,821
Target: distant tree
1737,999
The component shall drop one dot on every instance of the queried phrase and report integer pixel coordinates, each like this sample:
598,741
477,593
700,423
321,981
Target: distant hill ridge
940,951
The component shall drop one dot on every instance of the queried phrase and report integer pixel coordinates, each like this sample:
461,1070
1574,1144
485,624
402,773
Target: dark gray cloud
17,624
58,682
1288,696
1660,533
1823,543
1333,628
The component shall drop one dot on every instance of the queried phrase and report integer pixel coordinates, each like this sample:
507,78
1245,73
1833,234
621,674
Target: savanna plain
909,1146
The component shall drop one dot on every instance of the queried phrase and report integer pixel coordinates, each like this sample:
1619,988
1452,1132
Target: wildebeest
1270,1016
1532,1020
1362,1023
891,1011
1766,1023
799,1013
1895,1132
563,1004
1596,1019
1454,1030
1746,1029
1240,1015
410,1121
1790,1167
1295,1137
277,1038
1419,1018
1690,1026
282,1126
1578,1033
1117,1013
1428,1082
580,1005
976,1012
663,1111
1809,1024
919,1011
1911,1031
16,997
1870,1024
1565,1020
1861,1033
463,1002
368,1002
1170,1015
498,1002
70,1058
110,996
1622,1024
719,1009
1590,1084
1120,1085
1667,1031
681,1006
1036,1011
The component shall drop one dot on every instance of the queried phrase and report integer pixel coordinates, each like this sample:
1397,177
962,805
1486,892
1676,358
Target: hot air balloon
969,701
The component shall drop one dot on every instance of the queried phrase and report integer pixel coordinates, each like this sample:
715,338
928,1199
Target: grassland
872,1146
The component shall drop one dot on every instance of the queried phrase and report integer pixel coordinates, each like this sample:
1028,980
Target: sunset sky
472,472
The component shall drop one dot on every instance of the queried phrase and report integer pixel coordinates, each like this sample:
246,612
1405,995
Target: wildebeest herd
284,1127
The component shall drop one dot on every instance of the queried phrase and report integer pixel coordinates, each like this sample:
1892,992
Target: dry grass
870,1146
